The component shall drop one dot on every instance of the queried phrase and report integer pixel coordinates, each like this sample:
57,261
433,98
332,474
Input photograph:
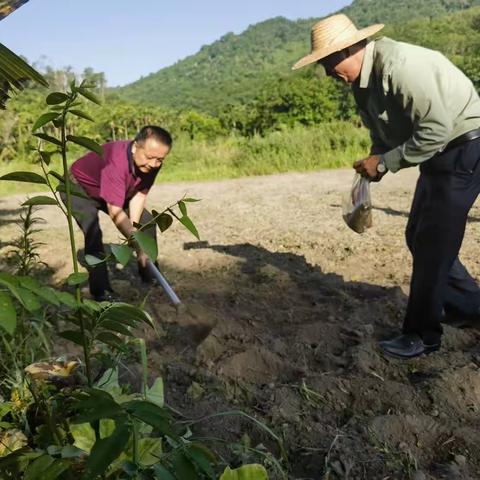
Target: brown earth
284,307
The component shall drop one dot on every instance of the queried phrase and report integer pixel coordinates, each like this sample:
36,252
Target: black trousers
448,186
85,212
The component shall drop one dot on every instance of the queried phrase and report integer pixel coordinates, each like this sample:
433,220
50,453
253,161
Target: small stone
195,391
435,413
460,460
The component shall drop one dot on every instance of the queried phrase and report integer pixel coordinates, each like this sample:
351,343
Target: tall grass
329,145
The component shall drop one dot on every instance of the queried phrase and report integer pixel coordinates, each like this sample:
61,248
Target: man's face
337,65
149,155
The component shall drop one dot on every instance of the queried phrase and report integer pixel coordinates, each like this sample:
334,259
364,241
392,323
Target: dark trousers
85,212
448,186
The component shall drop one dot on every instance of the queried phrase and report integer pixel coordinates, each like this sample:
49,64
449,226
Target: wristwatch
381,167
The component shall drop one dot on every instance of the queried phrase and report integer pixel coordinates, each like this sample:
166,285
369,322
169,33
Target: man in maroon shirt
117,183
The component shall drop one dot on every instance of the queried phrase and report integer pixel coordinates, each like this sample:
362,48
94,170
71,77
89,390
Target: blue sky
128,39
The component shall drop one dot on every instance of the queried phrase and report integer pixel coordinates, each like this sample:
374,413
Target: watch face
381,168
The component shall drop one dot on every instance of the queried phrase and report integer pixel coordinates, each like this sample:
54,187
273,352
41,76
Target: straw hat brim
337,46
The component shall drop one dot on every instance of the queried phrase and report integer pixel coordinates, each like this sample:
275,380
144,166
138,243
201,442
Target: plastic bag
357,205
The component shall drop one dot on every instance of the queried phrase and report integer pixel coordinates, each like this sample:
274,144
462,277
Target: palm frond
15,74
9,6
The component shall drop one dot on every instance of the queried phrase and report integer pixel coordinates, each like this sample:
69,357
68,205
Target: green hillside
233,69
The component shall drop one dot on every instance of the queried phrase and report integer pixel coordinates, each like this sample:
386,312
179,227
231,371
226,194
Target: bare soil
284,306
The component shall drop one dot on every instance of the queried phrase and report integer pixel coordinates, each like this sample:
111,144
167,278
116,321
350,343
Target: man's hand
142,258
368,168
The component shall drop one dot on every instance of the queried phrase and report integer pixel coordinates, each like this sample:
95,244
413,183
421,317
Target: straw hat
333,34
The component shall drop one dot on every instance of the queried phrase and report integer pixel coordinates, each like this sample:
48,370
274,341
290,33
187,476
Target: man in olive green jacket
421,111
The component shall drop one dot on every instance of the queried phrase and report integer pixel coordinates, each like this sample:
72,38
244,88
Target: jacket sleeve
417,88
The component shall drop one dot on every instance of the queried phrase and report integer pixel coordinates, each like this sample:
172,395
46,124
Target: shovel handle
163,282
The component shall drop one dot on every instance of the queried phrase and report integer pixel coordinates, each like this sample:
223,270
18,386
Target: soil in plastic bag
357,205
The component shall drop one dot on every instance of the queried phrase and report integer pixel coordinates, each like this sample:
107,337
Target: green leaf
92,260
28,177
81,114
29,300
77,278
155,393
44,119
183,467
203,458
55,470
190,199
111,340
164,221
73,336
149,451
56,98
37,467
48,138
188,224
106,450
152,415
40,200
246,472
183,208
8,315
116,327
67,299
125,313
86,142
89,95
122,253
46,156
161,473
57,175
147,244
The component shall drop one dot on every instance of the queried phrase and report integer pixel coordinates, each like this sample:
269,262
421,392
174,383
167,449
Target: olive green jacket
414,101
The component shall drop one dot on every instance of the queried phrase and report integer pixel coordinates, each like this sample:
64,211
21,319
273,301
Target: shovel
155,272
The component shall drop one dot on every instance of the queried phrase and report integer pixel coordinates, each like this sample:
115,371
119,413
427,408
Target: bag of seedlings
357,205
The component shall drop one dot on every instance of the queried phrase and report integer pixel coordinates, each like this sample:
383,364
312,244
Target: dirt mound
285,309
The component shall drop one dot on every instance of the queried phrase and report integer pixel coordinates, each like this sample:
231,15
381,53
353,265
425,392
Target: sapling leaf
93,261
89,95
147,244
122,253
28,177
44,119
56,98
77,278
188,224
188,199
40,200
86,142
163,220
48,138
183,208
81,114
73,336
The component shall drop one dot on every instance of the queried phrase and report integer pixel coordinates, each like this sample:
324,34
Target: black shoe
407,346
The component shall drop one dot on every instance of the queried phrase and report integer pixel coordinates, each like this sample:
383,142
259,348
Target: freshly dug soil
284,306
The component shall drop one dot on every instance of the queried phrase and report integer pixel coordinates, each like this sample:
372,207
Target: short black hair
153,131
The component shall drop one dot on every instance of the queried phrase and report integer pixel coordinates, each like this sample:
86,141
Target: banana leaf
9,6
15,73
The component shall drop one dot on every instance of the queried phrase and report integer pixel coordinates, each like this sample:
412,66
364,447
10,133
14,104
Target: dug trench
283,309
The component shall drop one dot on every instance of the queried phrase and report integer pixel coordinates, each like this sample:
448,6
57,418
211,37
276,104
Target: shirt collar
367,65
131,166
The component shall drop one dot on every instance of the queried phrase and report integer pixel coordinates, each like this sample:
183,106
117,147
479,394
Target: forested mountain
233,69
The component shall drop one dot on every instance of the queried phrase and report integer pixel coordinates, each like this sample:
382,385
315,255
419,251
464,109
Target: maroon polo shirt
114,177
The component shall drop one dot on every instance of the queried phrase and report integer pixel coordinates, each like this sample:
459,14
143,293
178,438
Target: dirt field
284,309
